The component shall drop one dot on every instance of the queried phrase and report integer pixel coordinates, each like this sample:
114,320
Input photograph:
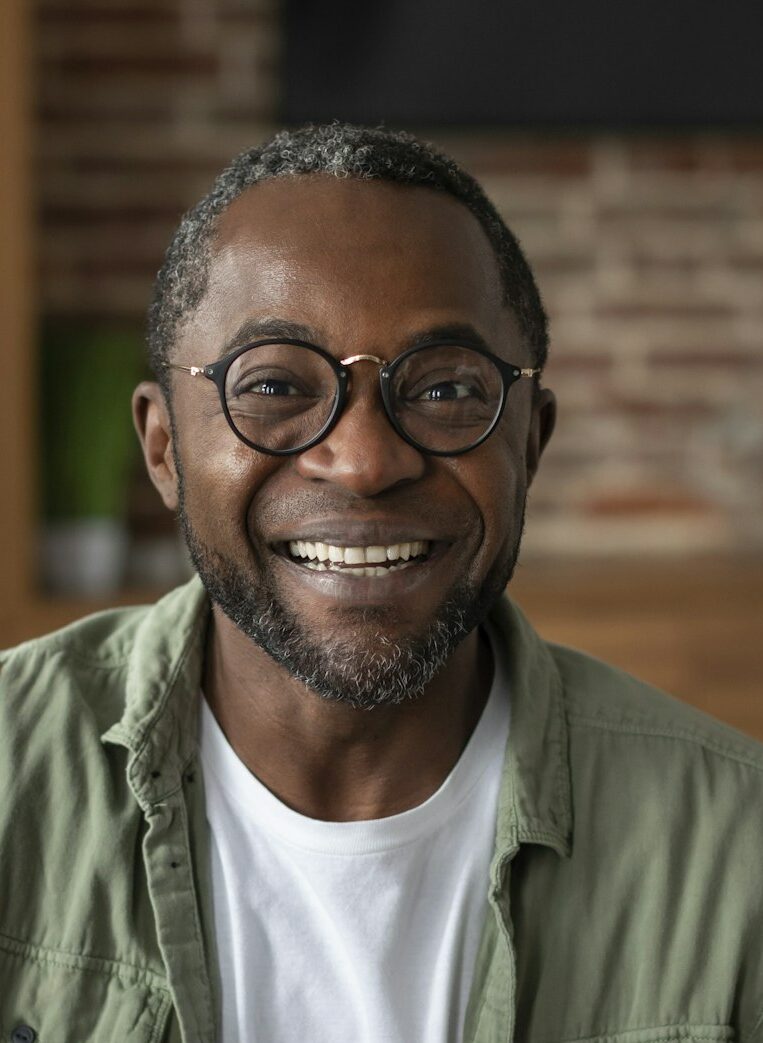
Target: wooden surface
693,628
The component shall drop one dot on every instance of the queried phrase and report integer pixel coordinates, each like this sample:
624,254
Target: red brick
566,362
162,66
96,267
642,502
49,18
173,165
644,264
99,6
698,358
747,263
560,158
636,310
689,212
651,409
122,220
746,156
682,155
146,110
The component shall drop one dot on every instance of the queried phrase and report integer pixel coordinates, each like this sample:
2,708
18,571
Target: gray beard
383,673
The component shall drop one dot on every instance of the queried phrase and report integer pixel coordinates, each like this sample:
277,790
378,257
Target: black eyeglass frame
217,372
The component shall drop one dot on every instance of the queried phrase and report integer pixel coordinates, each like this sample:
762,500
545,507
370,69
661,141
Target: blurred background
624,146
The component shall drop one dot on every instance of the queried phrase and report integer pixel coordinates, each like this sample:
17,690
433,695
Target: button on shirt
365,931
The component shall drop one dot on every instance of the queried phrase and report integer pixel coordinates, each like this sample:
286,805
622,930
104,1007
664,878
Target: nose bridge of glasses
352,359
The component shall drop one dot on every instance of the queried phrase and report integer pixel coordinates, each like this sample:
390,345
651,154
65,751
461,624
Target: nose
363,453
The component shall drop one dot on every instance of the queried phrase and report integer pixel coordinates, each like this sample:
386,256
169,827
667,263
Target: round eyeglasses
283,396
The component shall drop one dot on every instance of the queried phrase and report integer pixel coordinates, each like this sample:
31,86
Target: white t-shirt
351,932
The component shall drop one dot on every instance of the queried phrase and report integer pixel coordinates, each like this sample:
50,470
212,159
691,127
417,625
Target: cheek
498,488
221,478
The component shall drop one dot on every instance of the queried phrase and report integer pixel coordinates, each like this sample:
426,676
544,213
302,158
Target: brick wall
649,252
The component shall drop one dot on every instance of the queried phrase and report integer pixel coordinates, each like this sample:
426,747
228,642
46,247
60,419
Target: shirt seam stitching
563,795
198,935
74,961
668,733
674,1032
756,1024
143,734
160,1021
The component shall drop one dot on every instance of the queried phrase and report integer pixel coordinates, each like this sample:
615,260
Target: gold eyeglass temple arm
528,372
193,370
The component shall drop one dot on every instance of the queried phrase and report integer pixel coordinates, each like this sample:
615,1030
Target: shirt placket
492,1007
178,888
167,858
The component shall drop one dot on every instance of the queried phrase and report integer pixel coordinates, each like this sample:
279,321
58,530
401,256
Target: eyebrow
463,332
261,329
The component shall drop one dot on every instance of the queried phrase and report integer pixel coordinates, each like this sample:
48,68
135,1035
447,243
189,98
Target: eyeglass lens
280,396
446,397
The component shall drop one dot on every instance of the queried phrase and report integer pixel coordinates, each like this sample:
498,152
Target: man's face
360,268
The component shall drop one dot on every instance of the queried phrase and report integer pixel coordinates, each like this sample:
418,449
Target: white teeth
375,571
323,555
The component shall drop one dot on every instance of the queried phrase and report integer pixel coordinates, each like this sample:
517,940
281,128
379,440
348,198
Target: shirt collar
159,725
534,804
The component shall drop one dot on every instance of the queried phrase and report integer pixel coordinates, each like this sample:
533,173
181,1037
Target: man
336,788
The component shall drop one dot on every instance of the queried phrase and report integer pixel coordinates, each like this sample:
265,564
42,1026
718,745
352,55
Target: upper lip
370,533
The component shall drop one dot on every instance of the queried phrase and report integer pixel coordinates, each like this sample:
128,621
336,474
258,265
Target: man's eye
447,391
268,387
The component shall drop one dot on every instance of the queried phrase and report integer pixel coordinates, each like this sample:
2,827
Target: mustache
283,510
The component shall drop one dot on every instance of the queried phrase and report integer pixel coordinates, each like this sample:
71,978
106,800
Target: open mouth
366,561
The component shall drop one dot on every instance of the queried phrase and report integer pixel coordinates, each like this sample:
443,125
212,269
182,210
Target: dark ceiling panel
528,62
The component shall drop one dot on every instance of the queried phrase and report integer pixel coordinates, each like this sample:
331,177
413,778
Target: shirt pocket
48,996
684,1033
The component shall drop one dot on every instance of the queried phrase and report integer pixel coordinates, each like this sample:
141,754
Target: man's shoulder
80,672
599,697
81,667
103,638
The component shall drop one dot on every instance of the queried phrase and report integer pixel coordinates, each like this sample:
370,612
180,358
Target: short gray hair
337,150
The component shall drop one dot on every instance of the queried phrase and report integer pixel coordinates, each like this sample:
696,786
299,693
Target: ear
542,425
152,422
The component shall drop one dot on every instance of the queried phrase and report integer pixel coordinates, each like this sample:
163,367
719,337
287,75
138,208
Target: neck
331,761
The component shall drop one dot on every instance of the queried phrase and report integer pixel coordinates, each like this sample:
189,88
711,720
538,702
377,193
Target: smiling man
336,788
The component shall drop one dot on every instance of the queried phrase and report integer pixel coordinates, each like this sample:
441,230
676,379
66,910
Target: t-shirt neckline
258,806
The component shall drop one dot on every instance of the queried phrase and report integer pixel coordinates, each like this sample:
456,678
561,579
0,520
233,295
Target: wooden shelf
693,628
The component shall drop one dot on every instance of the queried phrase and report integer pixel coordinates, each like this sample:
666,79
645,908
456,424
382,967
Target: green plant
87,373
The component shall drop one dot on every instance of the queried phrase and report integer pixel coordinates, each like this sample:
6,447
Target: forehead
356,261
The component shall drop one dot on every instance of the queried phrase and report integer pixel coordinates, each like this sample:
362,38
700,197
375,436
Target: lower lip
366,590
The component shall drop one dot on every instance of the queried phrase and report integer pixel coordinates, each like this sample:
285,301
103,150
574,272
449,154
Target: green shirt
624,902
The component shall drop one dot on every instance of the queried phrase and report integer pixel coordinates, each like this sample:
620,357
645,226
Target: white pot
86,556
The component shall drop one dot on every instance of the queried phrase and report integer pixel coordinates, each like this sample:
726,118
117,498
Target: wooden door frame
18,447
